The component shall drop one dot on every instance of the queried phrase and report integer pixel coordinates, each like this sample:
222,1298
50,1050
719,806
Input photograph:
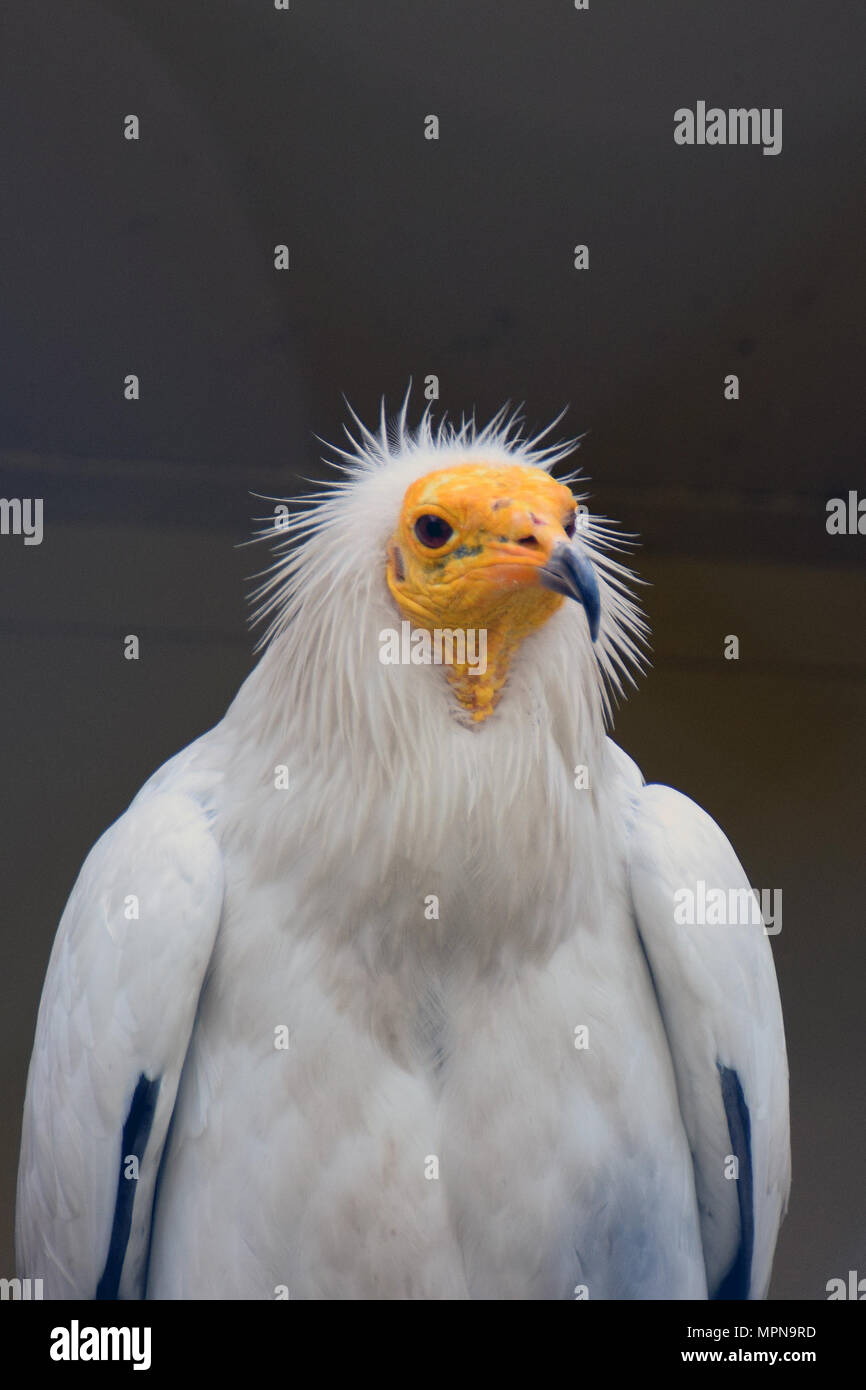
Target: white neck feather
386,785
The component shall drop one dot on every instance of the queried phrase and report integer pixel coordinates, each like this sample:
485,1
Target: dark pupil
569,526
433,531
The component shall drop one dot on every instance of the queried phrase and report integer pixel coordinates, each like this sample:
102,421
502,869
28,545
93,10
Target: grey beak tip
570,572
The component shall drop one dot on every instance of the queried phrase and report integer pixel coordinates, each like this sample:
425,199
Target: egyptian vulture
378,989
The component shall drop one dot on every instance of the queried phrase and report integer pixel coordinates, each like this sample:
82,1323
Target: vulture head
446,529
486,547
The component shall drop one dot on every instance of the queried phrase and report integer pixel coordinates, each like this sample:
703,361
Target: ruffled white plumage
411,1038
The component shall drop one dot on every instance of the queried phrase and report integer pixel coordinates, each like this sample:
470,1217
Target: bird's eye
433,531
569,526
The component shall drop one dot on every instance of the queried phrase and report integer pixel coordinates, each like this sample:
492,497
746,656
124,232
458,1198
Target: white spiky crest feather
321,700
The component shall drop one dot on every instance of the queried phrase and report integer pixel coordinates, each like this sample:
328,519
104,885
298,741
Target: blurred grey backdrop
411,257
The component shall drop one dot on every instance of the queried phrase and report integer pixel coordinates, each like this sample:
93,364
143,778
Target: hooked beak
569,572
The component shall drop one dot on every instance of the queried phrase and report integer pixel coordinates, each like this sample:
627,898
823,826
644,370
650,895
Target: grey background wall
453,257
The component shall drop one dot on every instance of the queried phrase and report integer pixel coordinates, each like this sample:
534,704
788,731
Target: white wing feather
719,1000
119,1002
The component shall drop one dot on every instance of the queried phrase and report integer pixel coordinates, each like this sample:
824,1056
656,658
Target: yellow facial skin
505,521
